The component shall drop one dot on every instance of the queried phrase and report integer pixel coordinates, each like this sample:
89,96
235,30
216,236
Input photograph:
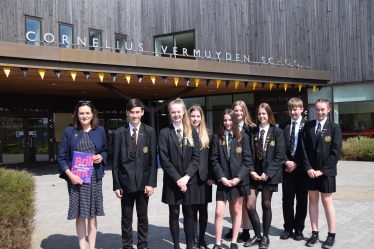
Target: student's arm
117,138
214,157
152,178
279,156
193,166
329,166
247,165
163,147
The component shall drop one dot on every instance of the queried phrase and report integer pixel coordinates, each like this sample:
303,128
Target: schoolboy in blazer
134,172
294,176
322,144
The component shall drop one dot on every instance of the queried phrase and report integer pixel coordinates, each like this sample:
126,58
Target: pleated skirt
324,184
204,193
225,193
172,195
86,200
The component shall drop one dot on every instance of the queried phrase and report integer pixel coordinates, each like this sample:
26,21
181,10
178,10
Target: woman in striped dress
85,200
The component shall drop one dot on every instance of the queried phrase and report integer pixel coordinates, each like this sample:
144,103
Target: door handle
30,142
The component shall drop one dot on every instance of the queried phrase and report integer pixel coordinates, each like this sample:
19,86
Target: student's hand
226,182
97,158
118,193
183,181
148,190
290,166
311,173
235,181
318,173
183,189
264,177
210,182
76,180
255,176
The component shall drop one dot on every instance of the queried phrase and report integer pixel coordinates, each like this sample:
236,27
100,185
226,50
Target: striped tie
318,132
133,137
180,137
260,151
292,140
229,142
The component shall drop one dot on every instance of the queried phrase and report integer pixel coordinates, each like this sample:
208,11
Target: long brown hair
94,120
187,128
246,116
268,110
235,127
203,134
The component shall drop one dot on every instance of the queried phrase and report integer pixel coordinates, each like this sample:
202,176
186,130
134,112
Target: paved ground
354,203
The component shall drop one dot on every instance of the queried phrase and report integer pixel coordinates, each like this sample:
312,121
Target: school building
208,52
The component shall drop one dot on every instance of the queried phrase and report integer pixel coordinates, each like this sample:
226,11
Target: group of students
242,159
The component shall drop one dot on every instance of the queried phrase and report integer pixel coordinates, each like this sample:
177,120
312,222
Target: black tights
203,219
187,223
266,212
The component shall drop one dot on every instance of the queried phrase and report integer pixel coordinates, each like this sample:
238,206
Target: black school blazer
274,156
325,155
204,172
238,165
177,162
298,158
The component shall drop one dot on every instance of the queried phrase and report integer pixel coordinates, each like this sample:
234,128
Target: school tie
180,137
260,151
292,140
229,142
318,132
133,137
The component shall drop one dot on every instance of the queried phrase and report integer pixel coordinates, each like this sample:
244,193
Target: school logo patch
272,143
145,149
239,150
327,139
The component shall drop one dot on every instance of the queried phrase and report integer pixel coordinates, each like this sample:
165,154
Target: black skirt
260,185
324,184
204,193
226,193
172,195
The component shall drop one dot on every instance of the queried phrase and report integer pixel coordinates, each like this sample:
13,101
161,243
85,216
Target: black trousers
294,185
127,203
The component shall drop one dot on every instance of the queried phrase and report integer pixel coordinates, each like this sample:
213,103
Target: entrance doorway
25,141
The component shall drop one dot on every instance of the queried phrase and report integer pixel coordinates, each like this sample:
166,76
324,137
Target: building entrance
25,141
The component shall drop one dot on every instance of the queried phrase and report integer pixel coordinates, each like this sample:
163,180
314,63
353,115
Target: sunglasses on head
84,101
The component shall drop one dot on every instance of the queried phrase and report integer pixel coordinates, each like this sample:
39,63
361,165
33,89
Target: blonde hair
203,134
295,103
187,128
247,117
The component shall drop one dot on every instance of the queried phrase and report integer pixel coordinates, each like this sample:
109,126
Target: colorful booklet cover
82,166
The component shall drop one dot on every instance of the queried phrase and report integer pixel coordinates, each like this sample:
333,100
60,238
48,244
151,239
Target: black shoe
285,235
195,243
217,246
298,235
312,241
234,246
329,242
228,235
264,244
252,242
202,244
244,236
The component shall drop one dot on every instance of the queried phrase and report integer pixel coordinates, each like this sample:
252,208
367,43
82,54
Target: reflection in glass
66,36
95,40
13,140
34,26
120,44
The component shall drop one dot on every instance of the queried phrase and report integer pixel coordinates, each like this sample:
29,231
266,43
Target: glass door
13,141
37,140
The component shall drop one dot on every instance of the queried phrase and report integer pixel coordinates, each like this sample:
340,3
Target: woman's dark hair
235,127
94,121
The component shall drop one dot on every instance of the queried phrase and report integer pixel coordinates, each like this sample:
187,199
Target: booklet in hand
82,166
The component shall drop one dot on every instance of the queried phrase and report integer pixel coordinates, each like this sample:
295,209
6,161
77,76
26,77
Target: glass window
66,36
248,98
33,31
325,92
95,40
120,44
184,44
353,93
353,117
194,101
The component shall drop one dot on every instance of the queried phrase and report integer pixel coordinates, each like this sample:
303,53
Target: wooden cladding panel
336,36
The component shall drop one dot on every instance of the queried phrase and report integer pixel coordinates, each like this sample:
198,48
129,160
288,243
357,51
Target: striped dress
86,200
